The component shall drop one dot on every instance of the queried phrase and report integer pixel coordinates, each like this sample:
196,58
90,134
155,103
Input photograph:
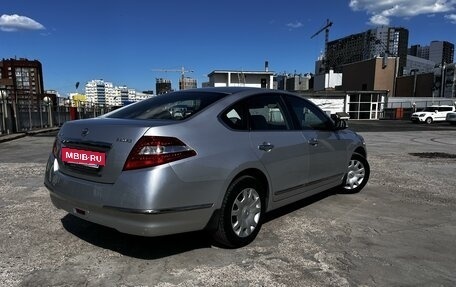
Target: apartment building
22,80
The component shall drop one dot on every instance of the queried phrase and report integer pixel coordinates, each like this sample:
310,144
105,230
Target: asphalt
398,231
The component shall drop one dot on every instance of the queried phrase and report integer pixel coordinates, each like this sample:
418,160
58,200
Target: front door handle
266,147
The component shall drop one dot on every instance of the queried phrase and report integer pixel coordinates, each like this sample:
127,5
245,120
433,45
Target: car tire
357,174
429,120
241,213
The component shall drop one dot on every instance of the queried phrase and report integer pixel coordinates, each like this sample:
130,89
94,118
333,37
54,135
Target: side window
307,114
234,117
266,112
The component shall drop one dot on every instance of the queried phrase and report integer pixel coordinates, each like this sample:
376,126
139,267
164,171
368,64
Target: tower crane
326,29
182,70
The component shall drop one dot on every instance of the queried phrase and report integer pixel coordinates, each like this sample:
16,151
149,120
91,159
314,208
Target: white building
327,81
105,93
96,91
134,96
232,78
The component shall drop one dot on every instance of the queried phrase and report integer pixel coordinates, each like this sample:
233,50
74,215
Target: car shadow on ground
140,247
150,248
292,207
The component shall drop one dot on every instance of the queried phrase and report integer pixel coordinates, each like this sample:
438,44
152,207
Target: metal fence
404,110
20,118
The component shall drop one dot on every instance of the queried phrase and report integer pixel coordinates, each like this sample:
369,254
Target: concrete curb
10,137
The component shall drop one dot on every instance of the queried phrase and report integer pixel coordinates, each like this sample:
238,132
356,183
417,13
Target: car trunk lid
96,149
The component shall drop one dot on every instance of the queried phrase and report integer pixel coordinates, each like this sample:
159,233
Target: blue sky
124,41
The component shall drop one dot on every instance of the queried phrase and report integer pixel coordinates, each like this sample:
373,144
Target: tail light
151,151
55,150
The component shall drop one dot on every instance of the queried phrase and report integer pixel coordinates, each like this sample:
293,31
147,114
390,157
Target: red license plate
84,157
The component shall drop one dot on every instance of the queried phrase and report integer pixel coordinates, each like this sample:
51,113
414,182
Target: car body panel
183,195
451,118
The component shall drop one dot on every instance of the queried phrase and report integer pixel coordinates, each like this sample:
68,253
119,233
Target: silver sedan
213,158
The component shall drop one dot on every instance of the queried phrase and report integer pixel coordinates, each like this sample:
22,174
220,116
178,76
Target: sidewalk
10,137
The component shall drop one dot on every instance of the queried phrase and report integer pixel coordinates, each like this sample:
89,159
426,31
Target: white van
432,114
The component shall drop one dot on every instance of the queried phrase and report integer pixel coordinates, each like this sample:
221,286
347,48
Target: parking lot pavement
399,230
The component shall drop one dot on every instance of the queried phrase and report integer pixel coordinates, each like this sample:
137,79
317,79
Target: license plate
84,157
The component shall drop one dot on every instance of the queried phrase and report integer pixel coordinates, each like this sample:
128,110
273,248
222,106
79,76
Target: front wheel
357,174
241,213
429,120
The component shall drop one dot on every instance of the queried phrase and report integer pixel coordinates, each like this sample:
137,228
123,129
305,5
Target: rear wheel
357,174
429,120
241,213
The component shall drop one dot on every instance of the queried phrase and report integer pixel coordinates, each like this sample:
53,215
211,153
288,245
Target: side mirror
340,120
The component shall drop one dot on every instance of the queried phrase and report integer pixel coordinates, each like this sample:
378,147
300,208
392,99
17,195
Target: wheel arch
254,172
260,176
361,151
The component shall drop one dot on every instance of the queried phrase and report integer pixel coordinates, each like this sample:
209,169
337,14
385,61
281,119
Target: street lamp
4,99
48,102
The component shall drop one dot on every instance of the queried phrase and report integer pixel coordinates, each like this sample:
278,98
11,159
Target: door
374,111
281,149
327,148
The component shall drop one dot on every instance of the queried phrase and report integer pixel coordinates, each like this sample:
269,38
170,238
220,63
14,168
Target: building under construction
162,86
378,42
186,83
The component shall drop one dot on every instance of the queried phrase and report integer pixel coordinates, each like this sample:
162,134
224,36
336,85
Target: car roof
225,90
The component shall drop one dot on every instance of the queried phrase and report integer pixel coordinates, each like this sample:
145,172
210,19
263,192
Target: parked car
451,118
235,154
432,114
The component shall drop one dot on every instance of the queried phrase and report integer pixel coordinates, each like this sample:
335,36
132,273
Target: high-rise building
419,51
439,52
378,42
105,93
23,81
96,91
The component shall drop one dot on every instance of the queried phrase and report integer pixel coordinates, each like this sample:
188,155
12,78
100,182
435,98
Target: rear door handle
313,142
266,147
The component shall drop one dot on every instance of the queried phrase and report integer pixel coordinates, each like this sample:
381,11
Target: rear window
174,106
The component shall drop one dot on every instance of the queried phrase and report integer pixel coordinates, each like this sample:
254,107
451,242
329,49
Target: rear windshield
174,106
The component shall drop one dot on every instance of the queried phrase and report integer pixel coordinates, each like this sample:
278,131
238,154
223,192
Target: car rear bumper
165,204
137,222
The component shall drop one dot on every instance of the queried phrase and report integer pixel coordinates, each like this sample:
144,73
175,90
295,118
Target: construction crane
182,70
326,29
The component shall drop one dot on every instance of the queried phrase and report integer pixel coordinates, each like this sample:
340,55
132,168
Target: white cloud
383,10
379,20
451,17
10,23
294,25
